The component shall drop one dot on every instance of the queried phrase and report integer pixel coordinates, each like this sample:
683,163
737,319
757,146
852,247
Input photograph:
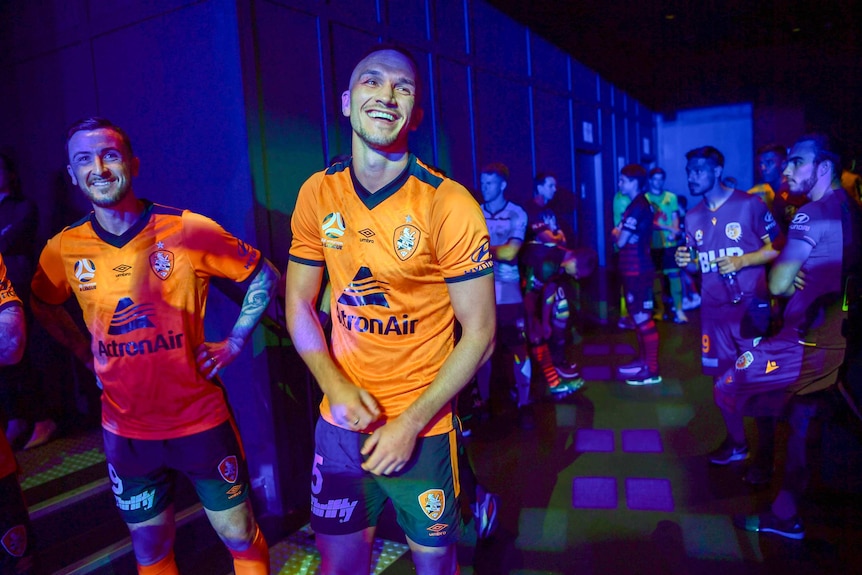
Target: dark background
677,55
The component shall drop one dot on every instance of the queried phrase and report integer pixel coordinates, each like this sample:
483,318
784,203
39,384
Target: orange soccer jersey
8,298
143,295
389,256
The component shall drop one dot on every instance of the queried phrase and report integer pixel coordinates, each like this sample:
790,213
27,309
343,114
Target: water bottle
733,288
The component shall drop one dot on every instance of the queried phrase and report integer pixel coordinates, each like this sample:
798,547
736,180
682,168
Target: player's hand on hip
213,356
389,448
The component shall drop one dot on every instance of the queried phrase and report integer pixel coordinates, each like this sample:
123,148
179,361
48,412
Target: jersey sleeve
807,225
215,252
763,220
49,283
519,230
305,245
460,234
632,215
8,297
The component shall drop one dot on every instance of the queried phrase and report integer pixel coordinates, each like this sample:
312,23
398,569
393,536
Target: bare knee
236,526
344,554
434,560
153,540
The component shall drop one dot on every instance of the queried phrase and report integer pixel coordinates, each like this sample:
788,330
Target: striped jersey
143,295
390,256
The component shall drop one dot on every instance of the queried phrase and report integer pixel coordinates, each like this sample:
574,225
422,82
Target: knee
435,559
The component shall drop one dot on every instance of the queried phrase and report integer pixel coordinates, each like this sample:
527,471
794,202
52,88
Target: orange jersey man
143,297
407,254
141,273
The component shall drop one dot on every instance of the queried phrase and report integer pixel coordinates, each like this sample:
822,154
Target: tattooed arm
214,356
12,334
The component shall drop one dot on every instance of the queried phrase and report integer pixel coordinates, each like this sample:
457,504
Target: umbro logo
122,270
364,290
129,316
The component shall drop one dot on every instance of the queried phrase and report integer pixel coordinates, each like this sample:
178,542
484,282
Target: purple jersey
737,227
813,315
635,256
508,223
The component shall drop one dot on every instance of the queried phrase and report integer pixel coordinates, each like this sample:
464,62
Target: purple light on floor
649,494
597,373
594,493
623,349
595,440
641,441
596,349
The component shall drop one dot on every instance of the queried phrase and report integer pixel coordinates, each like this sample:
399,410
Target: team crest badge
744,360
14,541
433,503
229,469
733,230
698,236
405,239
162,263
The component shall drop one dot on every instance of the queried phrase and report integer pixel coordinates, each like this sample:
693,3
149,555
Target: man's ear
345,103
136,165
503,185
72,175
416,118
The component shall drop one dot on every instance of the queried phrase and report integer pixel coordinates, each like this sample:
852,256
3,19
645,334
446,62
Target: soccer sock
546,364
675,289
254,560
784,506
649,343
523,371
165,566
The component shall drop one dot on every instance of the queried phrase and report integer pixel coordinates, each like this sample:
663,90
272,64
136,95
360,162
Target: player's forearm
309,341
761,257
60,325
473,350
12,335
256,300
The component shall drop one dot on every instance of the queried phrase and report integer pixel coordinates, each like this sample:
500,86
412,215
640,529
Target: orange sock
254,560
165,566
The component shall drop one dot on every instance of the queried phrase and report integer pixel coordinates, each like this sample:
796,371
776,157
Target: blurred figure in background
23,404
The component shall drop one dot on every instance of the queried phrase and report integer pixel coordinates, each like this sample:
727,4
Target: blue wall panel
503,130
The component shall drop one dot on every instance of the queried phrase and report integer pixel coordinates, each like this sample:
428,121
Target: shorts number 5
316,475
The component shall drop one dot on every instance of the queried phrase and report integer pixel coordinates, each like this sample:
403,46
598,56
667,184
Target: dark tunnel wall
232,104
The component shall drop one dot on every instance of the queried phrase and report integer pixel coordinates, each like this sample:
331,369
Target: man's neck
716,197
540,200
119,218
496,204
821,189
376,168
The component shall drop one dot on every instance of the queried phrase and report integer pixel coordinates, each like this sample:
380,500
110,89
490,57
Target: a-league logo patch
14,541
229,469
433,503
405,240
745,360
162,263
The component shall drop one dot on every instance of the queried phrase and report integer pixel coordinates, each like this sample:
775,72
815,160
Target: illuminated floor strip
60,457
297,555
